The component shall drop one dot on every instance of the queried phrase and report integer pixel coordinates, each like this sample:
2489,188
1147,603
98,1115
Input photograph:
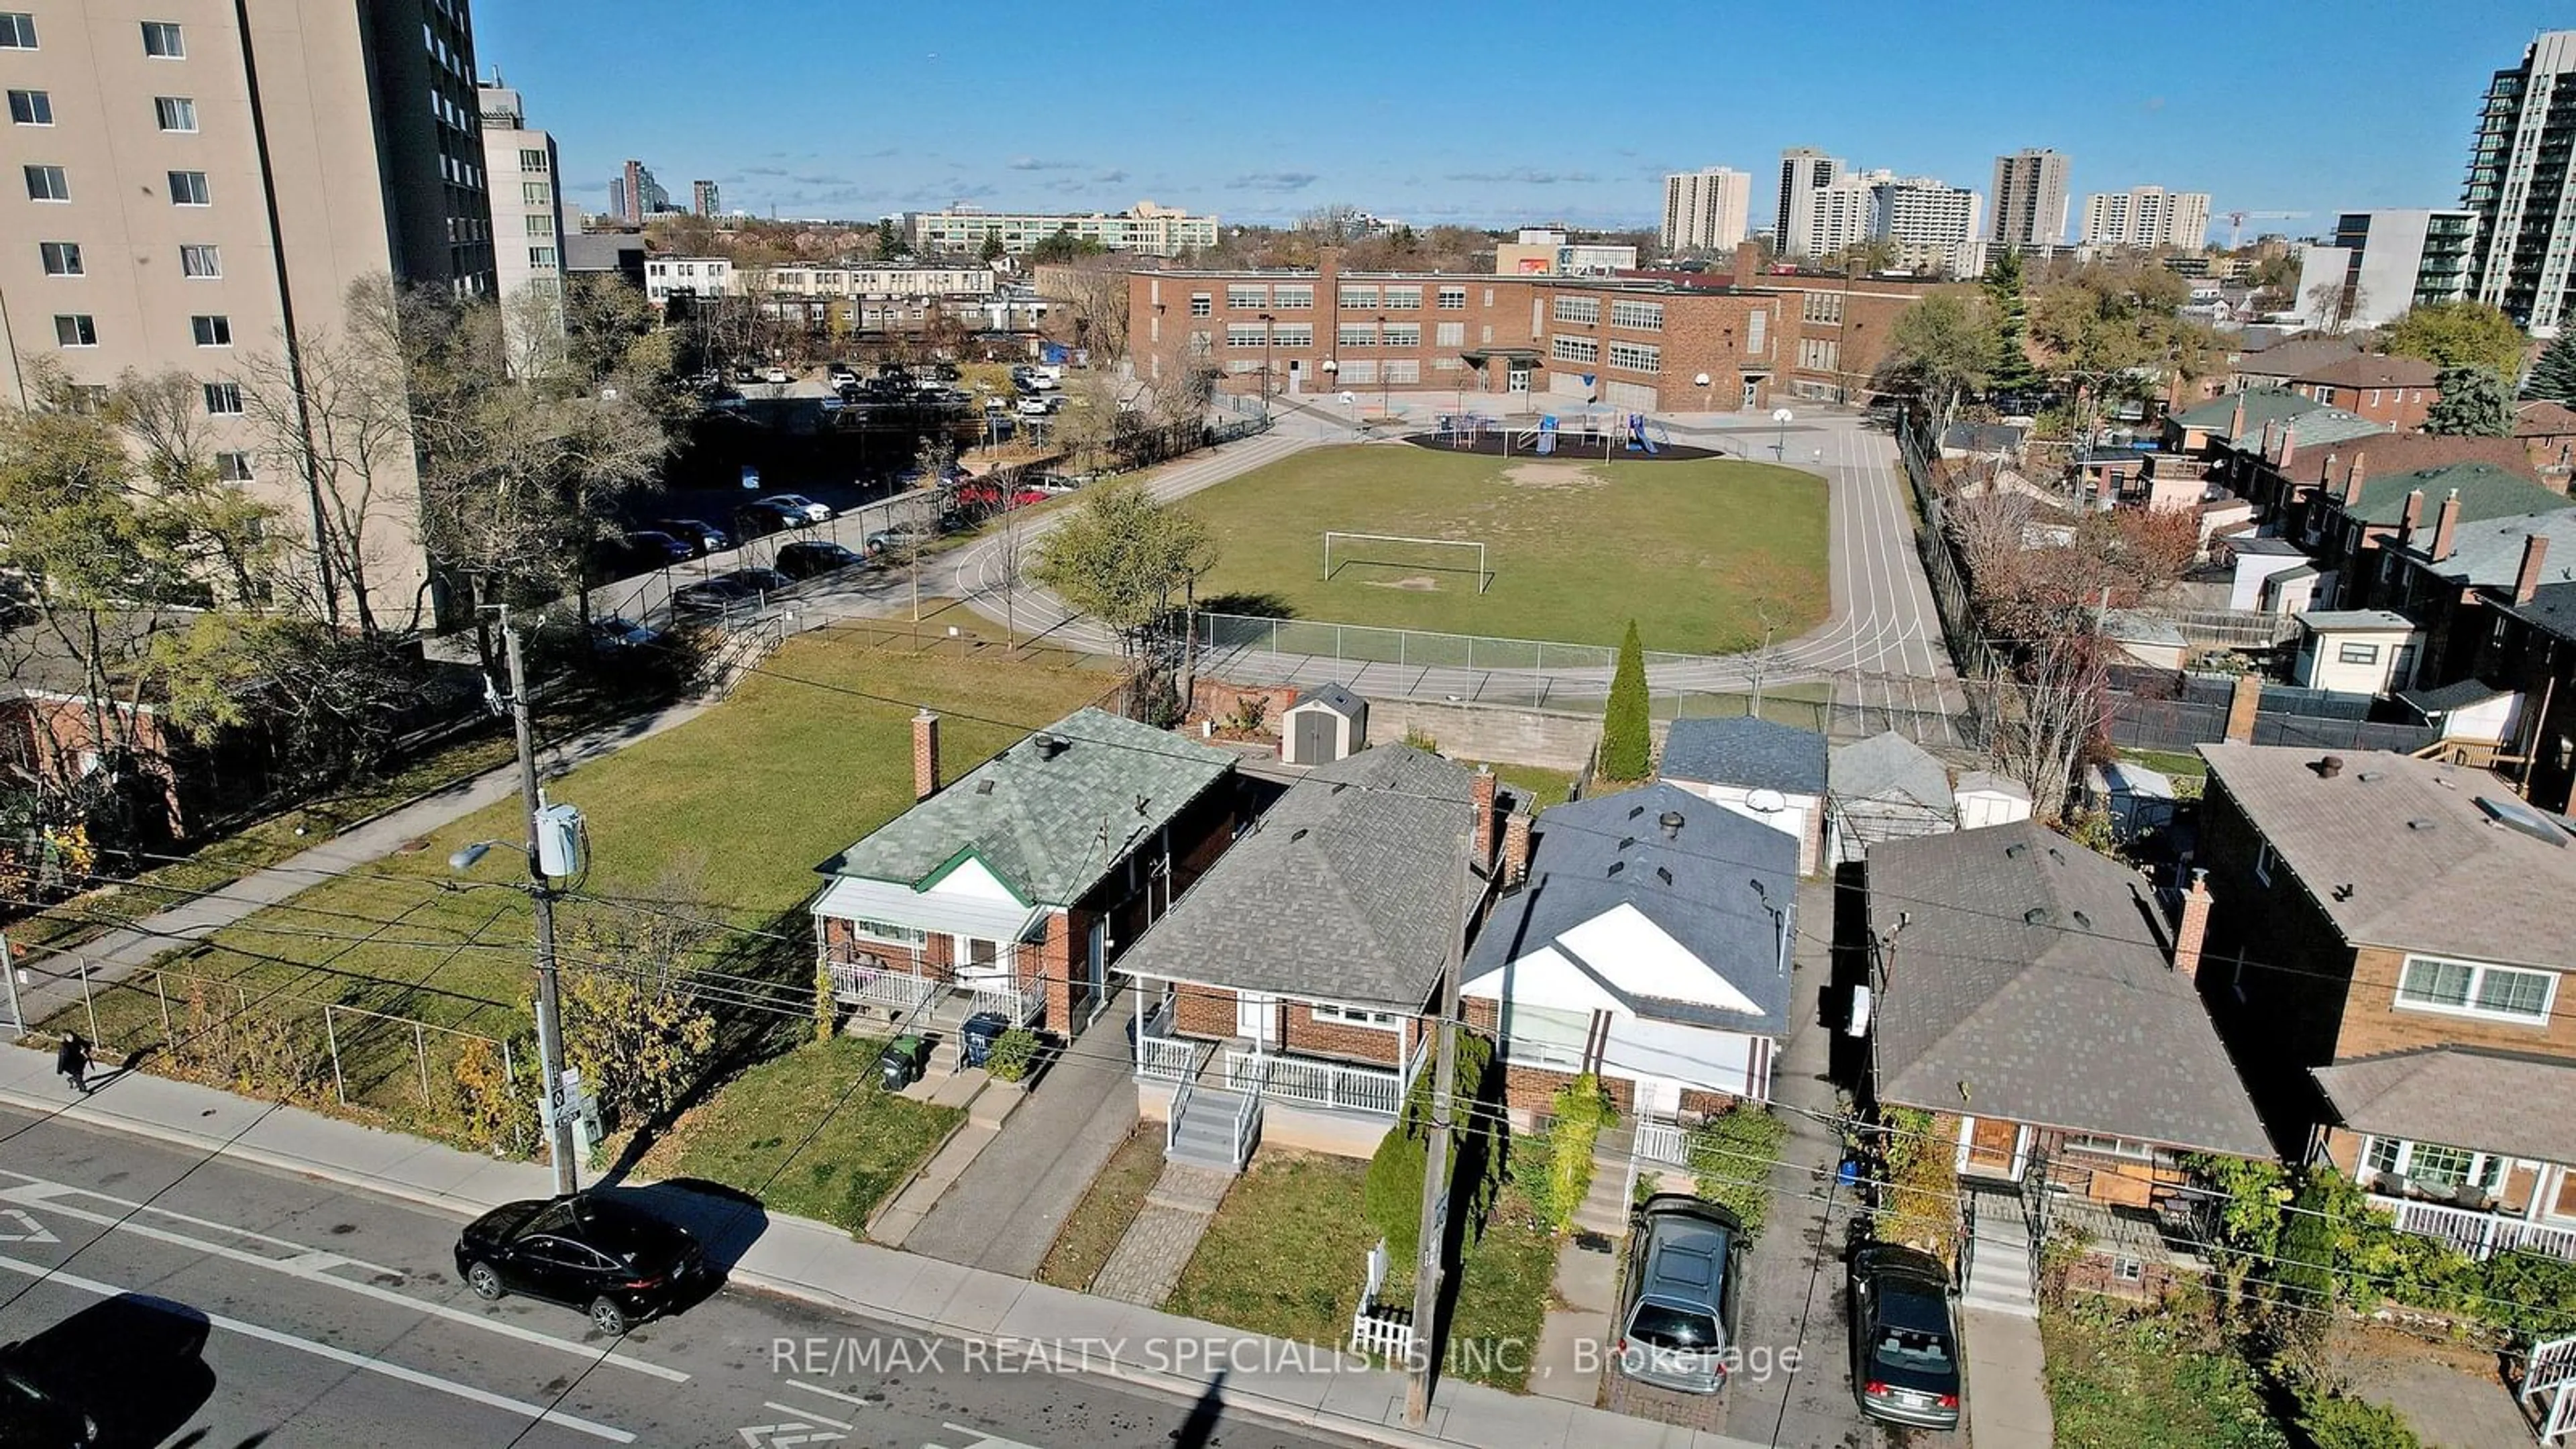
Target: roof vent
2329,767
2083,921
1671,820
1617,866
984,786
1050,746
2035,916
2057,855
1626,840
2371,777
2017,850
2420,822
1663,875
1636,810
1296,835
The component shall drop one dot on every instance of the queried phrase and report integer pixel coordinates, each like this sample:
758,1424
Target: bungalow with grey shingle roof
1019,883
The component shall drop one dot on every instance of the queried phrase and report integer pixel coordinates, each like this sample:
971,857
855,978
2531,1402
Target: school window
1753,333
31,108
2357,653
1825,307
1202,305
1638,316
201,259
1354,1016
77,329
47,183
532,158
1292,334
1449,334
188,188
1245,334
1636,357
223,399
1356,334
212,331
1403,299
1238,299
1453,299
162,41
1403,334
1293,299
175,113
1582,311
1574,349
1359,371
62,259
1448,364
1359,296
2473,989
233,467
1403,369
17,30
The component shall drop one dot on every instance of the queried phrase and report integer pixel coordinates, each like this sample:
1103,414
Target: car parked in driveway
1677,1299
704,538
615,1261
1905,1338
813,559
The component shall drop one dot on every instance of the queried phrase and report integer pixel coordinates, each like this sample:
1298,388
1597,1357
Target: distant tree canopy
2459,334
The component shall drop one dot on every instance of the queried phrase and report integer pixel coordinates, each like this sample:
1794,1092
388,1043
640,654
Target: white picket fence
1376,1328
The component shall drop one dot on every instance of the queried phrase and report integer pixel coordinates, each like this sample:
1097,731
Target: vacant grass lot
753,794
2149,1382
1695,552
809,1133
1107,1210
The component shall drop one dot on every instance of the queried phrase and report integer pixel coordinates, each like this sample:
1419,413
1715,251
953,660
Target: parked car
1034,407
652,548
764,516
754,582
616,633
806,509
1905,1338
777,376
702,538
1051,483
615,1260
810,560
1677,1303
902,535
838,374
708,596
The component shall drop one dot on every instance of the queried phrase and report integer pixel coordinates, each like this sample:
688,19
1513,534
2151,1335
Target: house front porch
1221,1096
2481,1203
895,957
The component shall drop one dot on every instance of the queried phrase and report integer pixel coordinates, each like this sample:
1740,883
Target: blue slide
1546,434
1637,439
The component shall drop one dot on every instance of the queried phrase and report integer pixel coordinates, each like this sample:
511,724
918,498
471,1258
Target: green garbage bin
899,1065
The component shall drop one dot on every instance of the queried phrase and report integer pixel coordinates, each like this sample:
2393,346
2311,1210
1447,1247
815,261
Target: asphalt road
332,1318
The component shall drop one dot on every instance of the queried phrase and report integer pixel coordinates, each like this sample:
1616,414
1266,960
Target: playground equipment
1546,434
1647,436
1466,430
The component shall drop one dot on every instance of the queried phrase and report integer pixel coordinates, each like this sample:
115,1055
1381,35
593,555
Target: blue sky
1497,112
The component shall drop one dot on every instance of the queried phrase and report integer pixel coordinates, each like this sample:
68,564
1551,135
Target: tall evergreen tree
2554,376
1627,746
2012,370
2475,403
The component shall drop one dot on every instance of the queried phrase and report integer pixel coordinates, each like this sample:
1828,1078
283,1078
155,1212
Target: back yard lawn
809,1133
2149,1382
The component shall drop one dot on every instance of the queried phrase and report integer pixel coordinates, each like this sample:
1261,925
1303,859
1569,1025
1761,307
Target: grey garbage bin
977,1035
899,1065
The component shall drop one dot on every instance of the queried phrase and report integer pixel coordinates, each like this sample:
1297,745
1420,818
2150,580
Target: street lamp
1332,374
1266,321
1782,416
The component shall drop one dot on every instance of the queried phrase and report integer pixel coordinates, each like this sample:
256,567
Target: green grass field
1695,552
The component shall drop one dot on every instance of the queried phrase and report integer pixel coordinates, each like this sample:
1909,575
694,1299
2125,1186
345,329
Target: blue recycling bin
978,1034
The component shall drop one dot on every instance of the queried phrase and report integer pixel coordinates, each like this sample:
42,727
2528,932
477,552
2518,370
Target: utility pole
1428,1259
550,1058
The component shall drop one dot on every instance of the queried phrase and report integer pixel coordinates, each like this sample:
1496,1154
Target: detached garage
1327,723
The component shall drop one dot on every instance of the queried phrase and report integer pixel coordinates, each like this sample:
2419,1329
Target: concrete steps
1203,1135
1605,1204
1999,1274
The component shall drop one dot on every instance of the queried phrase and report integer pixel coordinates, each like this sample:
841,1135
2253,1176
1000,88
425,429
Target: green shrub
1732,1155
1014,1055
1627,743
1391,1193
2333,1421
1581,1110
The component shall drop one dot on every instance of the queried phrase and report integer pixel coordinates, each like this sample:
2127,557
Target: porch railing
1662,1140
1314,1083
1016,1005
1161,1056
2480,1235
861,983
1247,1118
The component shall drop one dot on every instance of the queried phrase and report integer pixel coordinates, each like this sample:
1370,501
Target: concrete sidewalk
54,980
1291,1382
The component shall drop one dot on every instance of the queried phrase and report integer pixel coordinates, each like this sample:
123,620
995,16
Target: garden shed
1327,723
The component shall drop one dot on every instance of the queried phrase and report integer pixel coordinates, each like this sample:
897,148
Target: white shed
1327,723
1986,798
2355,651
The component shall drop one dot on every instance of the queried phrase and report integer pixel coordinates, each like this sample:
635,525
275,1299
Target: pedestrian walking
73,1062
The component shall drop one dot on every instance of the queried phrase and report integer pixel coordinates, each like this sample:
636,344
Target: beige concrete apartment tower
194,185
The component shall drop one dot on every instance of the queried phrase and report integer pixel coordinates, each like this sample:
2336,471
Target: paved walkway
1146,1265
1568,1363
1007,1205
988,1107
2007,1396
54,980
813,1262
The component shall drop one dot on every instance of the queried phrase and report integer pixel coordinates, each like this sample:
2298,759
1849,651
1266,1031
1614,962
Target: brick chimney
2263,446
2352,479
2241,708
2289,445
1748,262
2446,525
2412,518
1516,847
2535,556
1483,795
2236,422
2191,933
925,755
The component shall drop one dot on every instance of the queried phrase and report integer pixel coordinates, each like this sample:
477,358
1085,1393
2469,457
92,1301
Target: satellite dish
1769,802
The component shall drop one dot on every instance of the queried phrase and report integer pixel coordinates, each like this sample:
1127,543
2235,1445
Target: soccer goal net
1391,550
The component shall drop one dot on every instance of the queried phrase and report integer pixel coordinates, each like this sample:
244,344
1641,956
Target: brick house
1291,992
2352,528
2386,949
1017,885
2281,491
1771,773
2394,391
1649,946
2276,365
2451,584
2532,650
2546,432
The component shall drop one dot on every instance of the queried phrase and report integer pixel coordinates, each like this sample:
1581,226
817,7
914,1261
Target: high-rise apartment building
2396,260
1804,171
705,198
197,197
2518,184
1161,231
634,197
1707,210
2030,198
2148,217
1930,221
1836,215
527,223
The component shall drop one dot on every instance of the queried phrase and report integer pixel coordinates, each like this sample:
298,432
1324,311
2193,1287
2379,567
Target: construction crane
2236,223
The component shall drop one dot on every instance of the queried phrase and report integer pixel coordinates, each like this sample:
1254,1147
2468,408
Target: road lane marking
834,1394
785,1436
314,1265
808,1413
29,1230
361,1361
